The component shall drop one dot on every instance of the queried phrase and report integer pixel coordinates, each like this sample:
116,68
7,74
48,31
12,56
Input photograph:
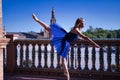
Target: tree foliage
101,33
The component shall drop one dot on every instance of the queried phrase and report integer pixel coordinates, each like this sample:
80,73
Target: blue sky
97,13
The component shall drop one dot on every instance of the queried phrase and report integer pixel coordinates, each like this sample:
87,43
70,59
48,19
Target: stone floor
29,77
39,77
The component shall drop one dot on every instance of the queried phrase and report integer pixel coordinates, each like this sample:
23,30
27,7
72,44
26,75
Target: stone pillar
3,43
1,19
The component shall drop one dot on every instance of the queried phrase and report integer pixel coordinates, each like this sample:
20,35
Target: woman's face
82,24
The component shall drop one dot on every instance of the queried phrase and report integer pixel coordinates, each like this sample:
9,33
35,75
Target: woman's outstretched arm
41,23
86,38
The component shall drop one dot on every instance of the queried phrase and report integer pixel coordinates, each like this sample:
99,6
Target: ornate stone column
3,42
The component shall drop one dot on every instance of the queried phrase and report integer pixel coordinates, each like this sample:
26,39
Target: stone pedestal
3,43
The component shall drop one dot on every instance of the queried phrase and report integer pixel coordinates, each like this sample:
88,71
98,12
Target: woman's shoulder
73,31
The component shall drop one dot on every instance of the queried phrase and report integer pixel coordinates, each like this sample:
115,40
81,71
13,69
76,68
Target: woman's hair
78,22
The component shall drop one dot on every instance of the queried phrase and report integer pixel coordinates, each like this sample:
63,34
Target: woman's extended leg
66,72
47,27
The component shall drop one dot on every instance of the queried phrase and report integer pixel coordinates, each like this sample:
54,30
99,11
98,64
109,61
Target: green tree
101,33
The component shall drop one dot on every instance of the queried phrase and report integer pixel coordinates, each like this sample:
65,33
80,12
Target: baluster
45,56
24,56
36,55
42,55
39,56
55,59
79,57
72,56
117,58
93,58
52,56
21,55
69,59
109,58
16,55
27,56
30,48
33,56
48,55
58,61
75,57
101,59
86,56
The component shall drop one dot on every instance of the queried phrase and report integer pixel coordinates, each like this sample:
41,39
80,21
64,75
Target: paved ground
29,77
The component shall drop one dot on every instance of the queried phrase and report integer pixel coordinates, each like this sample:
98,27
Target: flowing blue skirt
58,39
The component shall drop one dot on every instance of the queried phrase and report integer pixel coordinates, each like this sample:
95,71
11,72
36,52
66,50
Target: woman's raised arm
86,38
41,23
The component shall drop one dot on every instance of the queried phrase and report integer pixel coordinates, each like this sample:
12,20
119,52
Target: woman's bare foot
67,75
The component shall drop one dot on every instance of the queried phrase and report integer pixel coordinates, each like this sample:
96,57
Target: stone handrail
40,57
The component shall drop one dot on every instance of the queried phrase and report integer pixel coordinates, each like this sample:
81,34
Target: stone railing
40,57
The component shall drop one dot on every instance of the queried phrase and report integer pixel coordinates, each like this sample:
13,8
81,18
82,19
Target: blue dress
61,39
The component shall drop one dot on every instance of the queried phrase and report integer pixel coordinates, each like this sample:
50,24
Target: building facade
32,35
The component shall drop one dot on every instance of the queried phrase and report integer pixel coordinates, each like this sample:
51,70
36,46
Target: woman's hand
35,17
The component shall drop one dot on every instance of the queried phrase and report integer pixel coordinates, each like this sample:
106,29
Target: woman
61,39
